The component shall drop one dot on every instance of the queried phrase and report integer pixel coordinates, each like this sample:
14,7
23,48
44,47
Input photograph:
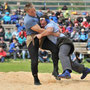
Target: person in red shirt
62,28
76,21
85,23
2,54
22,33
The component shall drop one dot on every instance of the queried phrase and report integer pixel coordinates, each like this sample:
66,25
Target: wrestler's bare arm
37,28
48,31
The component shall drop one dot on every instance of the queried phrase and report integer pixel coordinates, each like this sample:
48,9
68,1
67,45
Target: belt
30,38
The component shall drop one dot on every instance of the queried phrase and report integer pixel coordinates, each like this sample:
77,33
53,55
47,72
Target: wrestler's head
44,20
29,8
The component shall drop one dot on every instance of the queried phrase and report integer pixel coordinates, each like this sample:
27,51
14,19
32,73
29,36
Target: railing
81,47
9,26
54,4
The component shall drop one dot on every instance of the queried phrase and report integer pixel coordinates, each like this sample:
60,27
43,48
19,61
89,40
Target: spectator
24,52
18,11
88,17
14,49
16,33
68,22
77,56
7,8
67,34
21,17
22,33
22,45
3,45
76,21
82,27
64,7
43,56
62,28
80,19
48,12
85,23
83,36
1,8
14,18
2,54
70,28
75,36
66,14
58,13
39,13
20,26
44,8
21,39
8,35
7,18
2,33
13,37
53,17
61,19
77,27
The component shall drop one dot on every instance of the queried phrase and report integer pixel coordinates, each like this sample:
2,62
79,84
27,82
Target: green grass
20,65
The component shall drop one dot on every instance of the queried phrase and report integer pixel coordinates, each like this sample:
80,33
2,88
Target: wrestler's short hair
28,6
45,17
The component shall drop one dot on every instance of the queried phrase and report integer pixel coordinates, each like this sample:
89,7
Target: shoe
85,73
36,81
66,75
55,74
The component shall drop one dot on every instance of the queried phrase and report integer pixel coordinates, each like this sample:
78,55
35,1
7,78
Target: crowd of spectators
9,17
77,29
13,43
16,42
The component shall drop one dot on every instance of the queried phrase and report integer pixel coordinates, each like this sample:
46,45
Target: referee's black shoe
55,74
36,81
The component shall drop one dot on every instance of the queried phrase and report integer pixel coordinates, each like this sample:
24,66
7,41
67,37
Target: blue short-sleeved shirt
29,22
55,29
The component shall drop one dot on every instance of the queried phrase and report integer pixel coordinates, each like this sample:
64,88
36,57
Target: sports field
16,75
